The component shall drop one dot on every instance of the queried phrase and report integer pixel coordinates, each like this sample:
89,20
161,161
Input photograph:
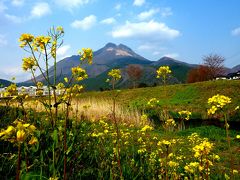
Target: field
192,97
133,141
162,132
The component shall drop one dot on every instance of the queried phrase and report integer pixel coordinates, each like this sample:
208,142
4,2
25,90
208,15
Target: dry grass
94,109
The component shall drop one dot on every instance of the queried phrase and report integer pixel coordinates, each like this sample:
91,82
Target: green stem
117,130
18,162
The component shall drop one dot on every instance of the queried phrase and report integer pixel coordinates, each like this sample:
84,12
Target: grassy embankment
192,97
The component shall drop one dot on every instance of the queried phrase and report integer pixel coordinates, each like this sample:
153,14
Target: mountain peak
110,45
166,58
124,47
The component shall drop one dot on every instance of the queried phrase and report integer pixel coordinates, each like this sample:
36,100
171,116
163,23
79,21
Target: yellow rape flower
28,63
115,74
21,135
11,90
41,41
203,148
86,54
66,79
170,122
192,167
8,131
163,71
235,171
185,114
173,164
33,140
146,128
153,102
25,39
217,102
79,73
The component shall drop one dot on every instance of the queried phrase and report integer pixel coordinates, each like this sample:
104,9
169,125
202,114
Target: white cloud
17,72
62,52
151,31
2,7
147,14
40,9
108,21
3,40
18,2
14,19
236,32
70,4
118,6
138,2
86,23
172,55
166,12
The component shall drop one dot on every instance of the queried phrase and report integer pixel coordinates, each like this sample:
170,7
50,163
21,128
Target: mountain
235,69
170,61
117,56
4,83
180,69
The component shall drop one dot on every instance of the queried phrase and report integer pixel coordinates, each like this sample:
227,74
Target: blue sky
183,29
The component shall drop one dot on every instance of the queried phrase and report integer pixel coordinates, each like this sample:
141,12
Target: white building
32,90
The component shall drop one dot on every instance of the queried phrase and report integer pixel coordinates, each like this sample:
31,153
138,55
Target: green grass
192,97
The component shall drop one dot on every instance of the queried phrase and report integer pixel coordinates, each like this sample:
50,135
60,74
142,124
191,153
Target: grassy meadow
141,148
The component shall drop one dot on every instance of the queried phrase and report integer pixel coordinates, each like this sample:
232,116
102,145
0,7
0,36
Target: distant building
230,76
33,91
234,76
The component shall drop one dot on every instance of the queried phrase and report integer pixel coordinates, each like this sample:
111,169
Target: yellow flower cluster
77,88
115,74
193,167
163,71
41,42
170,123
173,164
25,39
194,138
36,42
152,102
217,102
19,133
79,73
11,90
146,128
165,142
87,54
39,90
185,114
28,63
203,148
60,86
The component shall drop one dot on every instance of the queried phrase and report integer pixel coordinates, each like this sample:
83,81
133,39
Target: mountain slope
235,69
4,83
117,56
